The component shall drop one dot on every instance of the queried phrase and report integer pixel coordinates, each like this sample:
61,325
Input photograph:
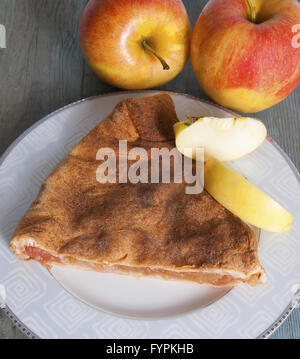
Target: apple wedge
225,139
244,199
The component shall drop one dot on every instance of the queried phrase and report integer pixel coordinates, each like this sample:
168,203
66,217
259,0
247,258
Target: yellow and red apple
243,53
135,44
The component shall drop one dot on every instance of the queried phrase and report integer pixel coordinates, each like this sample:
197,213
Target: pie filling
201,277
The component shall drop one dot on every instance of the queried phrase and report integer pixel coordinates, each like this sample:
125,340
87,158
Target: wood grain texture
42,69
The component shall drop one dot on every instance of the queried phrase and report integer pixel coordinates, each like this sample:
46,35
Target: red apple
243,52
135,44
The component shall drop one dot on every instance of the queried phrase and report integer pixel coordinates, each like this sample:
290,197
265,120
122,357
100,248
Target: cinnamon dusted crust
137,225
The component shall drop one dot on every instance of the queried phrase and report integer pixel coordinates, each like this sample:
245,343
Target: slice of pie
138,229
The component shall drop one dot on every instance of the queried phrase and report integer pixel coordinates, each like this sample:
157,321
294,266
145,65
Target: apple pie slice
141,229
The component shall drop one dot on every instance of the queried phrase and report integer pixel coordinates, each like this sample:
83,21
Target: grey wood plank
8,330
290,329
43,69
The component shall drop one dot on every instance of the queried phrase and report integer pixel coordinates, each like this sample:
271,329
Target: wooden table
42,69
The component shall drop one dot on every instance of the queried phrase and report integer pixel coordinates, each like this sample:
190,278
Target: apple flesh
243,56
135,44
225,139
244,199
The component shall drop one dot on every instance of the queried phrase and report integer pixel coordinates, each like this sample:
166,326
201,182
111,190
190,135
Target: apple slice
225,139
244,199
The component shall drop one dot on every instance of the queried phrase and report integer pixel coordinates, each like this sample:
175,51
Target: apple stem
149,48
252,12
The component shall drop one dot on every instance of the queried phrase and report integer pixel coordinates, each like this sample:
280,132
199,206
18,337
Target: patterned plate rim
293,303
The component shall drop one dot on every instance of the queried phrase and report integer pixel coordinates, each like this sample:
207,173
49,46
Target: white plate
43,308
131,297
